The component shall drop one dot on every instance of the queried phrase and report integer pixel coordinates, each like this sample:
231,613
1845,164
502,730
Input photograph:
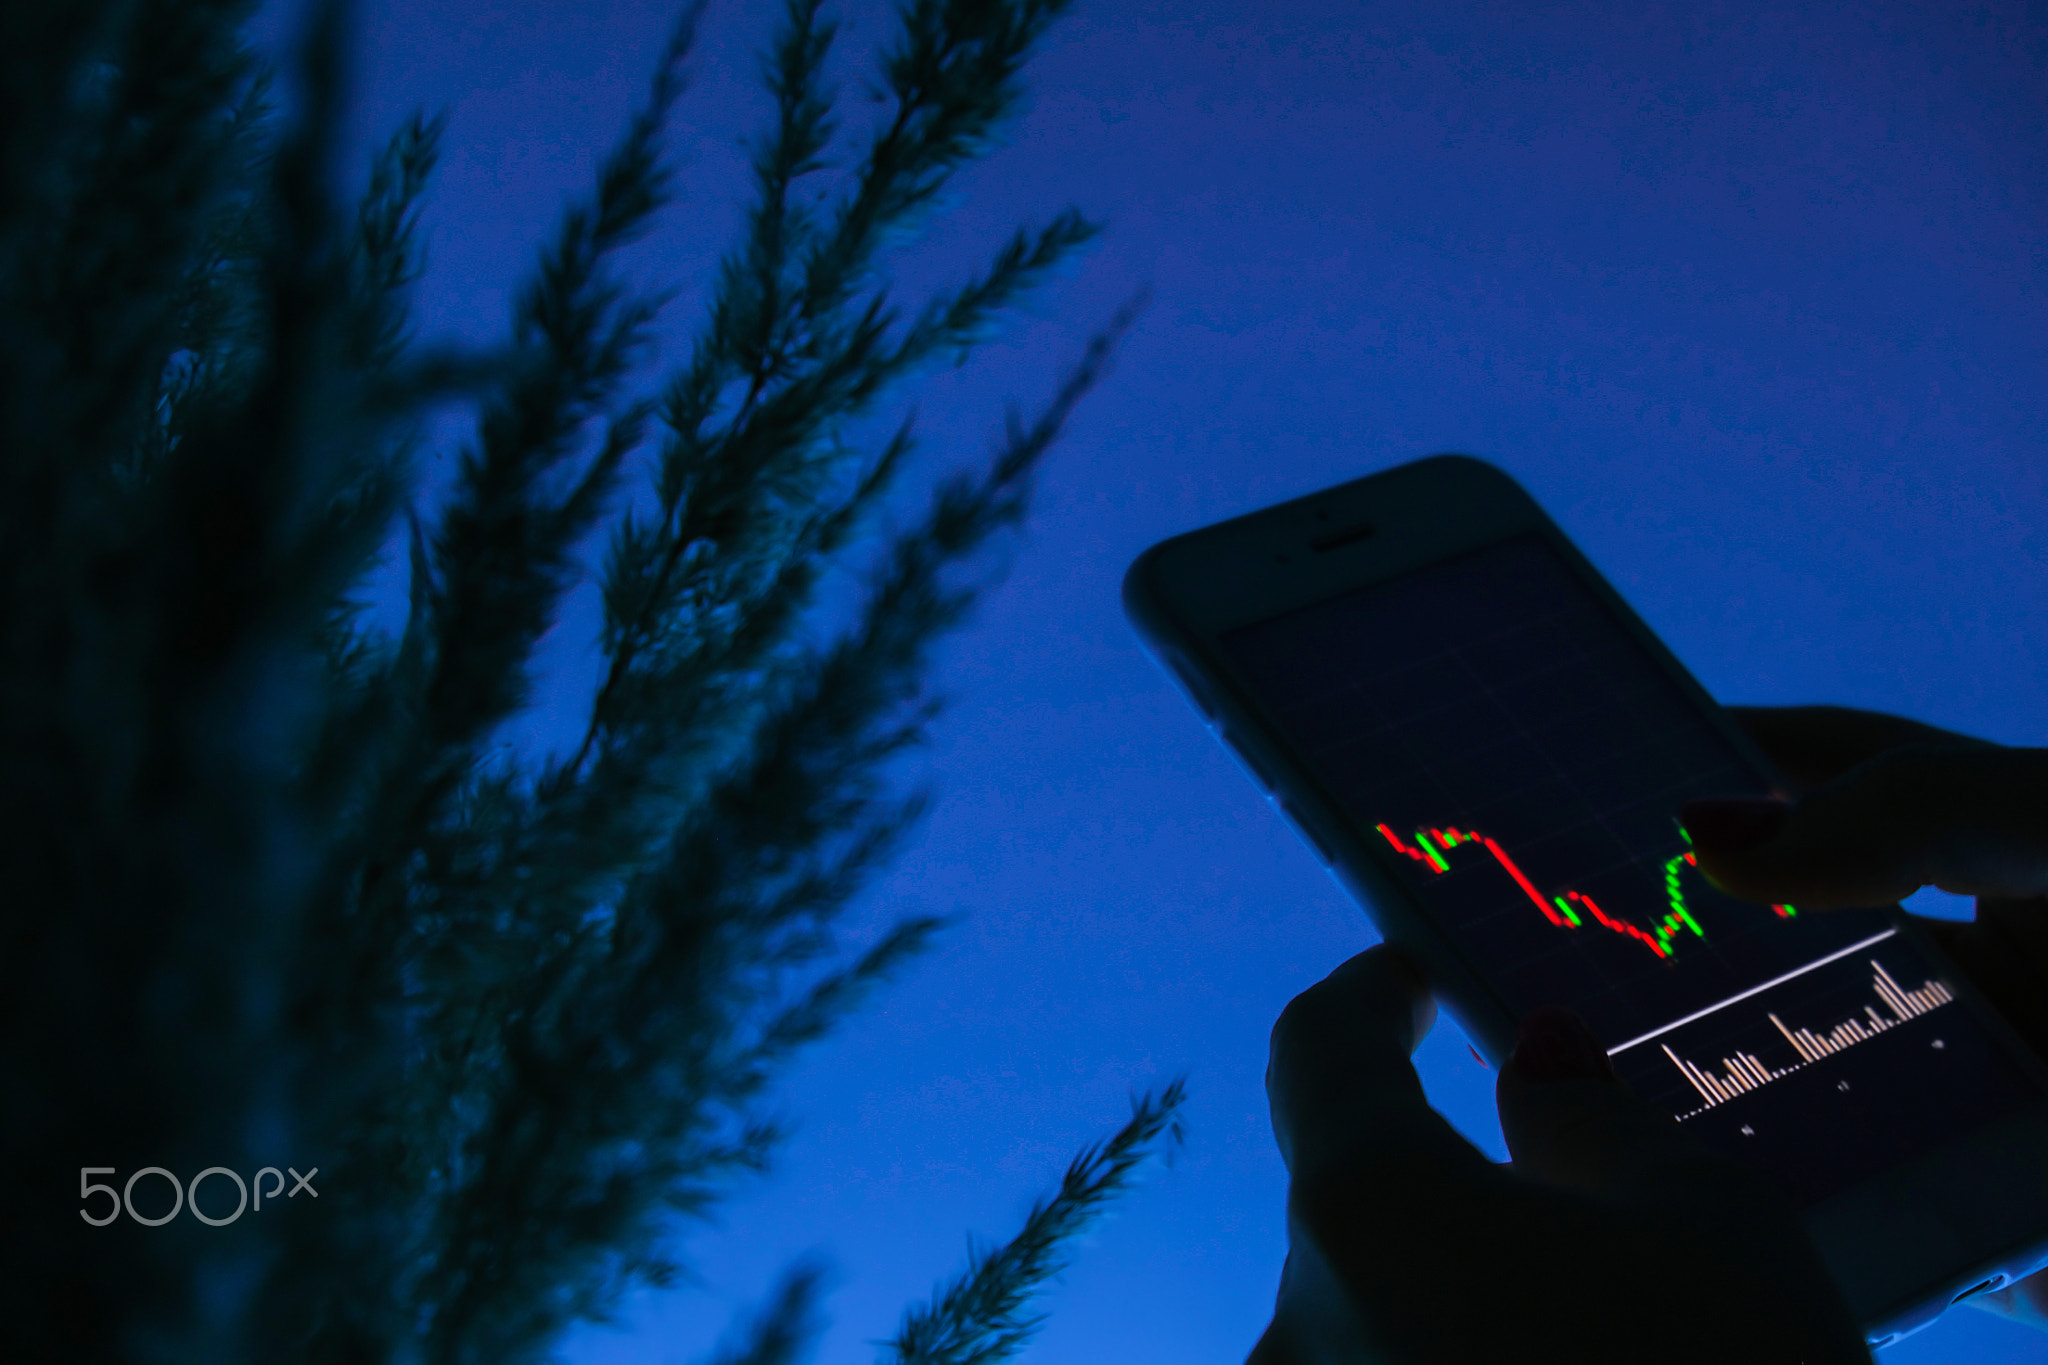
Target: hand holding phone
1888,805
1499,760
1613,1235
1369,1271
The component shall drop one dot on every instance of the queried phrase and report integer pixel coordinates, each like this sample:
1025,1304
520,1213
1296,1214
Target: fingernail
1732,824
1556,1045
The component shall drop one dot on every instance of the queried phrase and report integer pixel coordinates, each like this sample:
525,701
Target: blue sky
1749,296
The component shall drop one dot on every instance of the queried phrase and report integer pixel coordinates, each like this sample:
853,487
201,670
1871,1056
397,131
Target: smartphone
1487,748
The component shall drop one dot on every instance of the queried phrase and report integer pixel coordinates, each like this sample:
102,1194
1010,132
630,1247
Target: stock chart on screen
1490,726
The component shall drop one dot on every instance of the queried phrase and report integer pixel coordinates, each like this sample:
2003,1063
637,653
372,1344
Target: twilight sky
1749,296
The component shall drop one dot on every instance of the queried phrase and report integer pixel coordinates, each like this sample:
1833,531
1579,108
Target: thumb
1569,1121
1969,819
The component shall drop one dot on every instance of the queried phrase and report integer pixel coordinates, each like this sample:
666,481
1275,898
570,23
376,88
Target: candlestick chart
1431,847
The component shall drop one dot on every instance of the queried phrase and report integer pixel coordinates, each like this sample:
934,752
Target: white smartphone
1488,748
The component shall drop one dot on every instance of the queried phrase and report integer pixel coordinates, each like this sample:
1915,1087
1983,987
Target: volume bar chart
1745,1072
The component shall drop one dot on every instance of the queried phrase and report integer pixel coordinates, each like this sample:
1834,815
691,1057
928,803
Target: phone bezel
1902,1245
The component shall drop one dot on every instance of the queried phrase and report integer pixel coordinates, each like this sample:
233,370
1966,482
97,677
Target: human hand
1886,806
1612,1237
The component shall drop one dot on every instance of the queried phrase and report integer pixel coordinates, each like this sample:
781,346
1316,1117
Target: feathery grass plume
978,1320
782,1332
273,901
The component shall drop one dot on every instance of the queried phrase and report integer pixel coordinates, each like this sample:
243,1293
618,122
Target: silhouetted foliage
273,895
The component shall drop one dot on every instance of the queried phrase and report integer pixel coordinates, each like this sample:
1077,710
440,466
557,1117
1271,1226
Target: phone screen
1520,759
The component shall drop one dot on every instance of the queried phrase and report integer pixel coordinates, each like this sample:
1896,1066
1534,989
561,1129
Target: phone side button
1198,693
1308,834
1244,756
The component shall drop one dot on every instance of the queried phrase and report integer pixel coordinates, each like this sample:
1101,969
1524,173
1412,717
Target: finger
1969,819
1570,1122
1381,1189
1339,1081
1814,745
1277,1344
1313,1317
